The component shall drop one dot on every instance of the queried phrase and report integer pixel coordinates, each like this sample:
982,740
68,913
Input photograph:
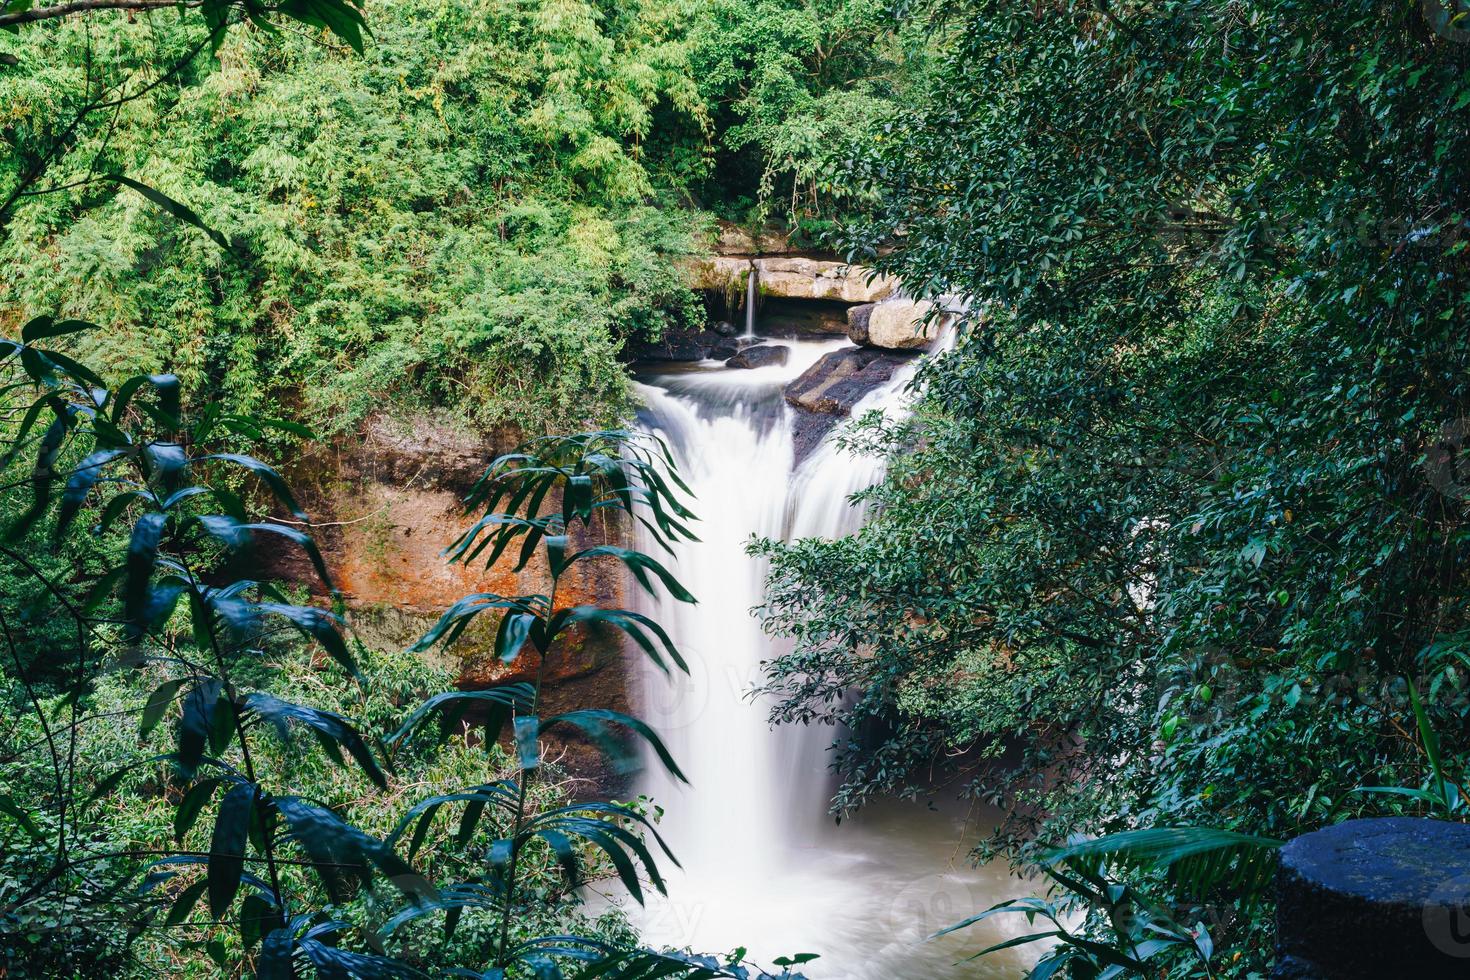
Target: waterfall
764,867
752,282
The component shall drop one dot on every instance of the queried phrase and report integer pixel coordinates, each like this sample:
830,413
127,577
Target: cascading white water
763,867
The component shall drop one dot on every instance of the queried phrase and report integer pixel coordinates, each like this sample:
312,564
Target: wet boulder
728,347
827,391
838,381
735,239
901,324
759,356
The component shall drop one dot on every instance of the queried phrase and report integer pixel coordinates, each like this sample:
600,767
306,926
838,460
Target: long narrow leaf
227,847
596,724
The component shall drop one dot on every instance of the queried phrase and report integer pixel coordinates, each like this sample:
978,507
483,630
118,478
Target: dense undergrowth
64,936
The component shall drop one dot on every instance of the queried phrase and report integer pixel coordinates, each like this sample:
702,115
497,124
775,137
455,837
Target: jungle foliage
180,782
294,213
1177,536
472,214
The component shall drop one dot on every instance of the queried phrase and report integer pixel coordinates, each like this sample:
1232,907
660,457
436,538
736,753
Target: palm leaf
1197,859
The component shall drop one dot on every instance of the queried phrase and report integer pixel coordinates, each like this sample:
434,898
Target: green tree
460,218
1181,517
795,87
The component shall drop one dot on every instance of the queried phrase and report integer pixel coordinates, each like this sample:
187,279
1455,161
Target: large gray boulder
1371,899
901,324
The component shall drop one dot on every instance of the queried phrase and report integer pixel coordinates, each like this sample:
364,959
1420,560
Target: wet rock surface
858,318
759,356
733,239
827,391
789,277
797,294
840,379
1375,898
798,277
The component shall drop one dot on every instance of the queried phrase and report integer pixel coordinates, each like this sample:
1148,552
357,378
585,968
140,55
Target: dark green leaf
227,847
82,480
328,724
163,696
186,814
596,724
142,553
166,385
640,565
527,728
195,724
10,808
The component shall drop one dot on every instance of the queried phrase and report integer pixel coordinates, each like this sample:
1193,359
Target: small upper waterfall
752,292
764,867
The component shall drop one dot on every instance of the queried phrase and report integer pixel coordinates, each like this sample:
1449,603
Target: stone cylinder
1372,899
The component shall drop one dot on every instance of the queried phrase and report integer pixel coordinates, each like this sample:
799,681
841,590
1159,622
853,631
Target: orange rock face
387,503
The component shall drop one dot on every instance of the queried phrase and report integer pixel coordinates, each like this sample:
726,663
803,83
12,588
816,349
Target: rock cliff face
386,502
790,277
795,295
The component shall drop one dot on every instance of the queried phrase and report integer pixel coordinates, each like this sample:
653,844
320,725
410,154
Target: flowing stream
764,866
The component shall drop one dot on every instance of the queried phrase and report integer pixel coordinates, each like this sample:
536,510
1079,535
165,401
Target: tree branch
83,6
